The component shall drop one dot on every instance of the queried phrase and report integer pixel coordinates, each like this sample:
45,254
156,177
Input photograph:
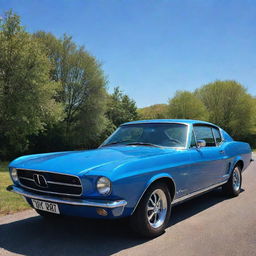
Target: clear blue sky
151,48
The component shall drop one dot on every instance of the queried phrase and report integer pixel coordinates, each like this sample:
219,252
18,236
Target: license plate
45,206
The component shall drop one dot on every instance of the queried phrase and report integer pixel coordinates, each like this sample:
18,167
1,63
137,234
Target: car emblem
40,180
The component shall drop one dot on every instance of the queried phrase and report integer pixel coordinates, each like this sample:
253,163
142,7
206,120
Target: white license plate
45,206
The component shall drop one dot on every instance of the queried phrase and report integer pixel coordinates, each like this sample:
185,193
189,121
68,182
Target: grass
9,202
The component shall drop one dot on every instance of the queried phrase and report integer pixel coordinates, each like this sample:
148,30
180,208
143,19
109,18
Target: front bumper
75,206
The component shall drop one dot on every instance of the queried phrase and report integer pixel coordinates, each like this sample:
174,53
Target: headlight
104,186
14,174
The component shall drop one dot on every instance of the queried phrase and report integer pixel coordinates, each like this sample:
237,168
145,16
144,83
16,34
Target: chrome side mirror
201,143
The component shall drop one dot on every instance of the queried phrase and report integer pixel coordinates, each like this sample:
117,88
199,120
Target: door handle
222,151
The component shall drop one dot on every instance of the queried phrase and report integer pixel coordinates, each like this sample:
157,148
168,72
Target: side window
193,140
216,133
205,133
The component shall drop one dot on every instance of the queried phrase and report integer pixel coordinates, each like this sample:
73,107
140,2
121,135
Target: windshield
167,135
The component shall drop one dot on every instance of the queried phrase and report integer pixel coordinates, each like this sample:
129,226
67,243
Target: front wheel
233,186
153,212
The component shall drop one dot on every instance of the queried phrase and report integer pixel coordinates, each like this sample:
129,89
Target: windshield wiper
144,144
132,143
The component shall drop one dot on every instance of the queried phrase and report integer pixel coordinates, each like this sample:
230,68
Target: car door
207,163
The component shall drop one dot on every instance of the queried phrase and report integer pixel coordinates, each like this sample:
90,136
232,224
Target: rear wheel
153,212
233,186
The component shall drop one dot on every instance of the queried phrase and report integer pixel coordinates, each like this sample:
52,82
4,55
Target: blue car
140,171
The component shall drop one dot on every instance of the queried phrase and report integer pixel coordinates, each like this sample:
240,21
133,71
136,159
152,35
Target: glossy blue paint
132,168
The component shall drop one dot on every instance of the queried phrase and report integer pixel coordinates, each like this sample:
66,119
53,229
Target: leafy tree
27,94
157,111
53,49
83,89
229,106
120,108
186,105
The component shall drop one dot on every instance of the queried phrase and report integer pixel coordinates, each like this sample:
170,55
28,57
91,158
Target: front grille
50,183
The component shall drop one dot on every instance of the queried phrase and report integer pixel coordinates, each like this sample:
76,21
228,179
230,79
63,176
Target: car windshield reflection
155,135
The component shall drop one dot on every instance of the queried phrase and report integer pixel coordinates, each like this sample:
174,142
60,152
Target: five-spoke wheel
153,212
157,208
233,186
236,179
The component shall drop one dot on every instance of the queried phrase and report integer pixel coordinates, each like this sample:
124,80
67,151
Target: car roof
183,121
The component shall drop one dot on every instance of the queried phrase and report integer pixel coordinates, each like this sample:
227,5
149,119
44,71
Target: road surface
208,225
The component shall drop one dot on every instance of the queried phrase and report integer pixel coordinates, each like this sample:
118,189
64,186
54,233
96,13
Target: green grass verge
9,202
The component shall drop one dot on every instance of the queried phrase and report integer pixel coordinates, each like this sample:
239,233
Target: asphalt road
208,225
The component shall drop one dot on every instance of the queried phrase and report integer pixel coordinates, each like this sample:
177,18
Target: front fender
150,181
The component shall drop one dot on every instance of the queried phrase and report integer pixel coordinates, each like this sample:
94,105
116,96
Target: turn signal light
102,212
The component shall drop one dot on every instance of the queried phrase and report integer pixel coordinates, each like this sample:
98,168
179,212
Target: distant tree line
225,103
54,97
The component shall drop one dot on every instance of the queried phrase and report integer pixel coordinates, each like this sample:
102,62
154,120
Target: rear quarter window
216,133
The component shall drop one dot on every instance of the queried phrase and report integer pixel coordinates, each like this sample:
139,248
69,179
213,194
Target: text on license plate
45,206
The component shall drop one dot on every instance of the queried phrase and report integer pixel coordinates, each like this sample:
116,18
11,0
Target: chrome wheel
236,179
157,208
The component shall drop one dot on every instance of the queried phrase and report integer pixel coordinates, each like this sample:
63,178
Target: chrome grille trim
62,183
49,192
25,178
52,182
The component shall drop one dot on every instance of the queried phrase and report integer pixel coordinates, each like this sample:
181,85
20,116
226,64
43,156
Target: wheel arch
238,160
165,178
240,163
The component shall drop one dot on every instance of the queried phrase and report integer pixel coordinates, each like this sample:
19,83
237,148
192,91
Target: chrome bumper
73,201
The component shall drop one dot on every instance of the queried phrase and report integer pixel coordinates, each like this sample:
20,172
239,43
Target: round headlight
104,186
14,174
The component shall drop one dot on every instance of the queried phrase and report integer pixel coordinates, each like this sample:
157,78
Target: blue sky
151,48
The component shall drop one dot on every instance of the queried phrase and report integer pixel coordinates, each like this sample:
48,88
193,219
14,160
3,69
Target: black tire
47,215
229,188
139,220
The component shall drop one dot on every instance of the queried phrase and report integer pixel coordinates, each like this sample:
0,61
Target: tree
120,108
157,111
27,94
229,106
186,105
83,89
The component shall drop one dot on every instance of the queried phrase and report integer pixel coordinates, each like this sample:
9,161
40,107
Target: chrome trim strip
52,182
45,171
54,193
196,193
24,178
79,202
64,184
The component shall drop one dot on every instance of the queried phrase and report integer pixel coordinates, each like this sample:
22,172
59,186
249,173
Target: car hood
80,162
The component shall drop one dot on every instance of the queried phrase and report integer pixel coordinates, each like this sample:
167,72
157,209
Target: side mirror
201,143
